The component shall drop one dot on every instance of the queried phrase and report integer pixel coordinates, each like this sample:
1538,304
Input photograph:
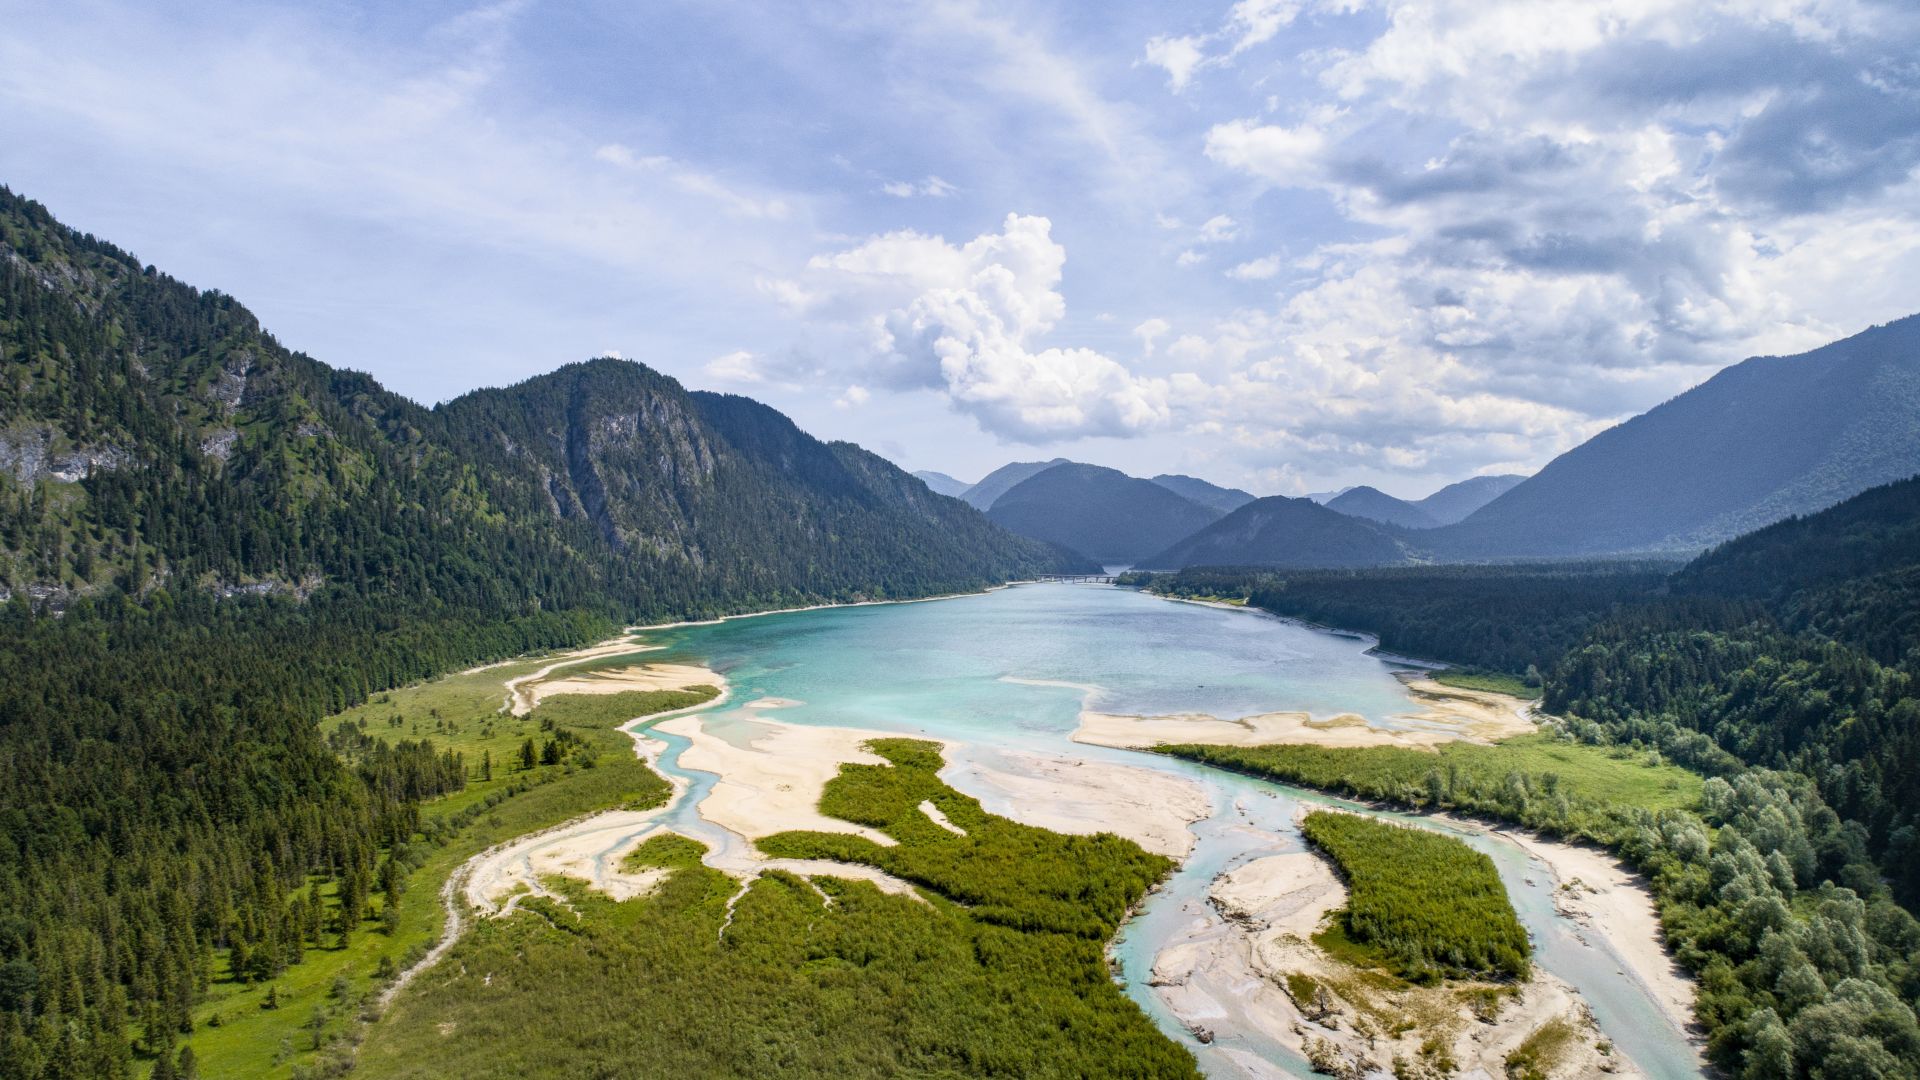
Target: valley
747,767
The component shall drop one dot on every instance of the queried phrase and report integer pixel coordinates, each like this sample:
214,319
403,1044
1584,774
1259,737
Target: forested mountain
1101,513
1762,440
1375,505
982,495
151,433
942,484
1225,500
1851,572
1455,501
244,540
1279,531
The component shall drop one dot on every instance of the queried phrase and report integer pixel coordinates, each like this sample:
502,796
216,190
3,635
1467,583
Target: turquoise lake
965,669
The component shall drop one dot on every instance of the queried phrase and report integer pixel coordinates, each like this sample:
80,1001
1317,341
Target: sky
1287,245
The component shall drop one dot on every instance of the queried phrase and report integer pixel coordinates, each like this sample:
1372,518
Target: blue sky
1284,244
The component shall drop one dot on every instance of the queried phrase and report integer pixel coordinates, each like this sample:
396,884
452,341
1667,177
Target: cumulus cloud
969,320
1150,332
1575,210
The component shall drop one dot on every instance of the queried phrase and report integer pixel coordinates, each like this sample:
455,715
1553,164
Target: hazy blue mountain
1279,531
1224,499
1455,501
942,484
1376,505
1765,439
1325,497
1102,513
981,496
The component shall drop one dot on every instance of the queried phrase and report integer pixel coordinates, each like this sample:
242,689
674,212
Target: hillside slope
1102,513
1279,531
1762,440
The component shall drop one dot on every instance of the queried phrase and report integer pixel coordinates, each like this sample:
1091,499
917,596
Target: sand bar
1613,905
1151,807
616,681
1445,715
771,781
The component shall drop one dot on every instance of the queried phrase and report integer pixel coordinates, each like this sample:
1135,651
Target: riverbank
1614,905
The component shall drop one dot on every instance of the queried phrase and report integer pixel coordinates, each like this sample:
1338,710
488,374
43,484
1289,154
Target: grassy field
1424,906
1560,787
1491,681
998,972
318,1001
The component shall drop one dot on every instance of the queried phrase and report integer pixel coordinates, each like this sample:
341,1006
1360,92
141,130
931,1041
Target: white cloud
1149,332
854,397
740,366
1180,57
1248,23
968,320
1261,269
1188,258
1572,237
1218,229
932,187
1285,156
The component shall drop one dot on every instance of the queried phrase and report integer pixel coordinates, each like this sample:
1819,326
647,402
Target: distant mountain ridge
1376,505
984,494
1224,499
1101,513
1762,440
942,484
1294,533
1455,501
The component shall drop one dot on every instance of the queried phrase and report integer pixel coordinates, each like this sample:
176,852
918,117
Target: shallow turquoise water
966,669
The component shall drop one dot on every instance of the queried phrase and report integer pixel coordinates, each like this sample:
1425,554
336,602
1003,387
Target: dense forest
209,542
1427,905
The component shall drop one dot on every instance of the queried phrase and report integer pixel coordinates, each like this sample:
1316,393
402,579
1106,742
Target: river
1013,669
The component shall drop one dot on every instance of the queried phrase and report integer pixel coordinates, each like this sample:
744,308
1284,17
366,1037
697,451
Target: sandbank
1612,903
773,782
1151,807
616,681
1229,972
1446,714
